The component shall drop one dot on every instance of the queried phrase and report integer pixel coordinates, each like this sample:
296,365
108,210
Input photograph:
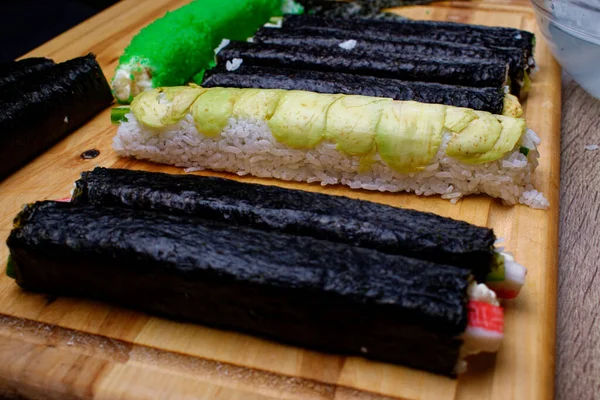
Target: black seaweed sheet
318,6
13,72
392,230
434,30
294,289
249,76
353,9
42,109
391,3
464,72
399,46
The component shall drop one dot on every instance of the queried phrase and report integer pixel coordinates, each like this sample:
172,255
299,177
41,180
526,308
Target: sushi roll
348,9
443,31
362,142
294,289
492,100
400,46
333,8
340,219
19,71
172,49
463,72
40,108
498,39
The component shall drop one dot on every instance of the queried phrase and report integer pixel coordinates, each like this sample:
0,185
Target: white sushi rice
233,64
348,44
480,292
248,147
224,43
130,80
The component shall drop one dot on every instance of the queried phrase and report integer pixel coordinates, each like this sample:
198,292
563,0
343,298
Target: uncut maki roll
399,46
345,8
16,71
360,223
348,9
443,31
464,72
363,142
507,40
42,107
293,289
492,100
172,49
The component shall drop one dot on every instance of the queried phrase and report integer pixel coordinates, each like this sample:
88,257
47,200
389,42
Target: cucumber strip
11,268
117,115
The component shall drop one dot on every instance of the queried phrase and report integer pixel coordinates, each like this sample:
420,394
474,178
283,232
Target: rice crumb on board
592,147
534,199
193,169
247,147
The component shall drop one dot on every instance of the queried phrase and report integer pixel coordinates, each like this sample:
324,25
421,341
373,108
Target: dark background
26,24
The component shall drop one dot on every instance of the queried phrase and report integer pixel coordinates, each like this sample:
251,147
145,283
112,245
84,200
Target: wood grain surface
578,347
56,348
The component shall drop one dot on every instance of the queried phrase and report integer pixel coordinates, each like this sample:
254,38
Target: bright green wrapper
169,51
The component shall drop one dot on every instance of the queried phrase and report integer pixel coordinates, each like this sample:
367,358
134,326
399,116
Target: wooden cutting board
62,348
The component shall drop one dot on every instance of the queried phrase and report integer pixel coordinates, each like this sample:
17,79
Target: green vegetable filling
11,268
524,150
117,115
498,273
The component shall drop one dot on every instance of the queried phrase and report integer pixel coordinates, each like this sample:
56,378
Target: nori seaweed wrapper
400,45
249,76
323,7
359,223
433,30
47,106
464,72
392,3
19,71
339,9
294,289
